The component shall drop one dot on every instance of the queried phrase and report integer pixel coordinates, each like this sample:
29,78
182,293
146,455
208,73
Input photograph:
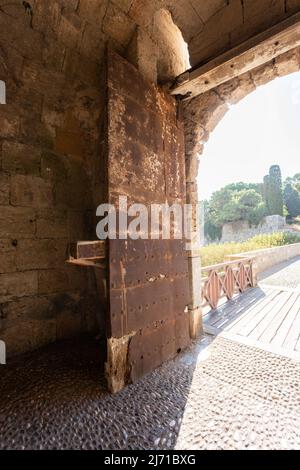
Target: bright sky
261,130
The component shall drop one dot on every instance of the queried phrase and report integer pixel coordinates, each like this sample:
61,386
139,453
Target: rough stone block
69,5
75,191
53,281
17,285
288,63
69,29
192,166
235,90
25,308
28,335
264,74
14,32
195,137
82,226
31,191
9,122
219,25
93,11
7,256
200,51
143,53
92,43
54,55
53,166
16,222
52,224
41,254
40,79
260,8
21,158
30,100
52,116
207,110
4,188
69,142
258,19
207,9
70,137
125,5
117,25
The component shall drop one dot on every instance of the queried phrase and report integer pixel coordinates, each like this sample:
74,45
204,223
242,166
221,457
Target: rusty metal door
148,279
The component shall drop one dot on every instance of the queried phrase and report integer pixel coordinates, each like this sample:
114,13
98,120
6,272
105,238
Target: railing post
227,278
254,273
195,282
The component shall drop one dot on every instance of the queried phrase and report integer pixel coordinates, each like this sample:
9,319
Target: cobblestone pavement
217,395
285,274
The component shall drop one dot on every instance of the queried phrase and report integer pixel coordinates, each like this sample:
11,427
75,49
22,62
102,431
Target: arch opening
202,114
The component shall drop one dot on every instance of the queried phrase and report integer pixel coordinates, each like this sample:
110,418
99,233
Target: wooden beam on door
252,53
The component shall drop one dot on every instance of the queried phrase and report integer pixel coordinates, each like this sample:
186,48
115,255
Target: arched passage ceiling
209,26
82,27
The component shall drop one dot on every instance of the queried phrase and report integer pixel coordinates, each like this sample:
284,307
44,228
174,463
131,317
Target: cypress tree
275,193
266,186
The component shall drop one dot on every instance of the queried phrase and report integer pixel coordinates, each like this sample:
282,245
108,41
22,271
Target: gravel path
285,274
218,394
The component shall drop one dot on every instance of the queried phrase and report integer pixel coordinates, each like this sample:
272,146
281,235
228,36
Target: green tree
294,181
266,187
258,187
297,182
251,206
211,231
292,200
273,193
231,205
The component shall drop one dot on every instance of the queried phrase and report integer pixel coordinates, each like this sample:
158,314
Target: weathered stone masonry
52,174
49,144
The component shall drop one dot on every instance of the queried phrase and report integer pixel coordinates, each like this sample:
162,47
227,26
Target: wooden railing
225,280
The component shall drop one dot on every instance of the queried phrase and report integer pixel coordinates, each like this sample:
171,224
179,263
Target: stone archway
201,116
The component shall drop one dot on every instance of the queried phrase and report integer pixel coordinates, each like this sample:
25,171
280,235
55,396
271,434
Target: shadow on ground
215,321
55,398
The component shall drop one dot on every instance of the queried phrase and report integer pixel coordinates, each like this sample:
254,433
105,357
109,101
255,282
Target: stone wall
227,23
241,230
52,173
269,257
50,161
52,168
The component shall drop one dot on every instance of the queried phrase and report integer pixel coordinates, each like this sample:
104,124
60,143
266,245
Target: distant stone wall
269,257
241,230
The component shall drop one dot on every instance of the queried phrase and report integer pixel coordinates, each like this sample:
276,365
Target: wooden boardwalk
266,317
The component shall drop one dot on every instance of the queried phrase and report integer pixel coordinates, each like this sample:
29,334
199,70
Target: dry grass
214,254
